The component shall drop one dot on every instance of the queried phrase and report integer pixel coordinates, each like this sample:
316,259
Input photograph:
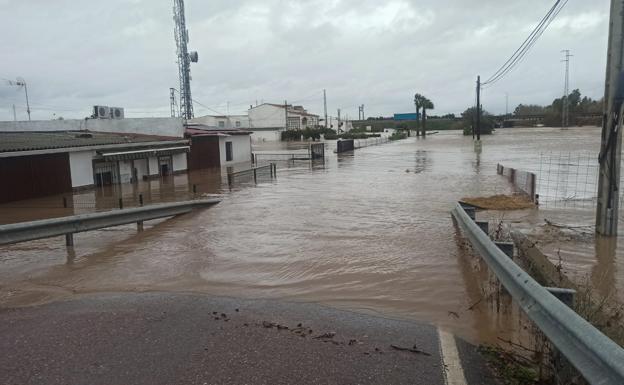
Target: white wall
125,171
148,126
141,166
266,116
81,167
241,149
179,161
153,166
266,136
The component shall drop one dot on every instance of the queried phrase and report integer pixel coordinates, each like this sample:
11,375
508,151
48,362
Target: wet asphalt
163,338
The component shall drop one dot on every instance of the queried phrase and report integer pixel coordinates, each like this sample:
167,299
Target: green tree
469,117
426,104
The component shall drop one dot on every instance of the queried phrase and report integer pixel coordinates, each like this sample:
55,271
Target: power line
527,44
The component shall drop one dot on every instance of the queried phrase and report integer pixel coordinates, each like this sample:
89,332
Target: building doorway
165,165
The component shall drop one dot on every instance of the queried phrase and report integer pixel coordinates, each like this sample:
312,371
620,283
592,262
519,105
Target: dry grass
501,202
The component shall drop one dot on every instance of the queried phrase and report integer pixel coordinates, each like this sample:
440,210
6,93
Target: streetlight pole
23,83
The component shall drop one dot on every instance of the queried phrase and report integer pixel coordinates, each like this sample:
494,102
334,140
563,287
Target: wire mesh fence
568,179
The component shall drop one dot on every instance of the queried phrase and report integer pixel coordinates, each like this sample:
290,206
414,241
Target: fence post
255,177
512,175
69,239
533,187
194,189
229,179
140,199
120,203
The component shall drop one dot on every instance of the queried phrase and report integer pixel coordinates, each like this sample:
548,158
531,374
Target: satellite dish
194,57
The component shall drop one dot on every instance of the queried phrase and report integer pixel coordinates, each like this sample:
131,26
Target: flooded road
369,231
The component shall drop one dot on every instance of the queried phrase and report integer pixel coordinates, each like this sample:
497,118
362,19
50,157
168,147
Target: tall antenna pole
611,140
172,102
566,90
184,59
325,107
363,117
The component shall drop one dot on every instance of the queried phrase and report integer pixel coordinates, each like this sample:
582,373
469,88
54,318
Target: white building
222,121
35,163
214,147
267,120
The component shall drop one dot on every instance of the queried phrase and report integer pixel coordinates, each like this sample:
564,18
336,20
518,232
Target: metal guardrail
45,228
594,355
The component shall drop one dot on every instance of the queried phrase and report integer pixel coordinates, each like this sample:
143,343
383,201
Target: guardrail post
140,226
564,295
484,226
506,247
69,239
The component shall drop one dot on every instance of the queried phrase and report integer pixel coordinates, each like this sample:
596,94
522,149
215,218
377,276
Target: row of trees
421,102
580,110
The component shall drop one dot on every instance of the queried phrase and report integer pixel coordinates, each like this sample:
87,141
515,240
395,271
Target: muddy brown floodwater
369,231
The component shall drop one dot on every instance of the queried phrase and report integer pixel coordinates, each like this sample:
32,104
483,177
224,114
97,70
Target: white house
222,121
267,120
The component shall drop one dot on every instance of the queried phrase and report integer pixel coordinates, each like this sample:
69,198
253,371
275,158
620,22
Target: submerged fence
562,179
522,180
253,175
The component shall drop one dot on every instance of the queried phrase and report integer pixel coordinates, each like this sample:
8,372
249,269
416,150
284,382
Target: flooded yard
368,231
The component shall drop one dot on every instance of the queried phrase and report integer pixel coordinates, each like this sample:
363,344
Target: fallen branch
411,350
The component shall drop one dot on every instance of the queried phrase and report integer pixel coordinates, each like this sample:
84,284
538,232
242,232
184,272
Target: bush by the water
469,117
307,133
397,136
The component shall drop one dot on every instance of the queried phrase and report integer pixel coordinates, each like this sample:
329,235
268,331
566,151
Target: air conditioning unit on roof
101,112
116,113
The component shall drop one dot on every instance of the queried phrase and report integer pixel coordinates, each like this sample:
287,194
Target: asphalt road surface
163,338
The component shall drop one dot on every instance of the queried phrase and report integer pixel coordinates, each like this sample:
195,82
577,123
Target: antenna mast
184,59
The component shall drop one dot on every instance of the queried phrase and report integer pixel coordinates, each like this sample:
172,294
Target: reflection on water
357,232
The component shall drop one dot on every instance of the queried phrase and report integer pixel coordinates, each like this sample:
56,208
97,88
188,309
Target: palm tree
418,102
426,104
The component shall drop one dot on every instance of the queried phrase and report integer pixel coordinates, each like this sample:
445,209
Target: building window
238,124
228,152
221,124
294,123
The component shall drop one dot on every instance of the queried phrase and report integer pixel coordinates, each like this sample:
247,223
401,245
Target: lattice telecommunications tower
184,59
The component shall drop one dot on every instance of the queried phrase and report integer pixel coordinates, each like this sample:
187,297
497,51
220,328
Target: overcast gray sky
74,54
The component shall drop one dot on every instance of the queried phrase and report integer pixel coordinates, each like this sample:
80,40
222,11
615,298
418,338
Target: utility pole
564,101
611,139
506,104
338,128
478,128
172,102
325,106
285,115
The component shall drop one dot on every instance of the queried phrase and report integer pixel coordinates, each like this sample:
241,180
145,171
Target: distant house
215,147
35,164
268,119
222,121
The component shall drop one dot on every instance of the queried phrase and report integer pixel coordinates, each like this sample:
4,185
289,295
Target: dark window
228,151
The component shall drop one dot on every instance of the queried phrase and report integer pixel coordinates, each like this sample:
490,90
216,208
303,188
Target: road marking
453,371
